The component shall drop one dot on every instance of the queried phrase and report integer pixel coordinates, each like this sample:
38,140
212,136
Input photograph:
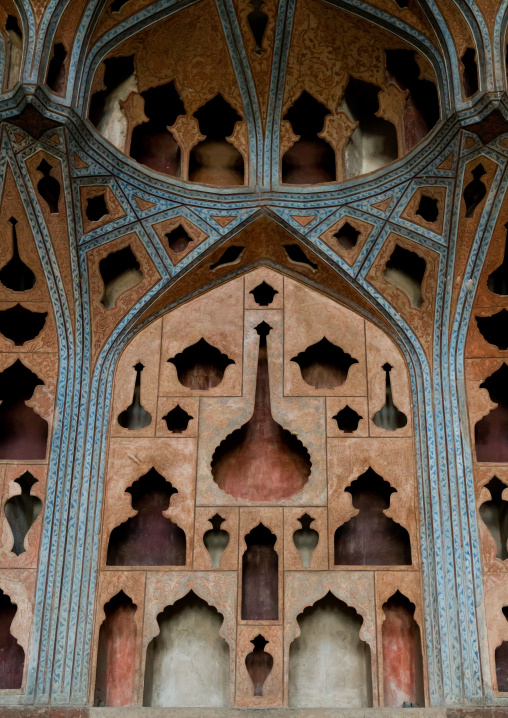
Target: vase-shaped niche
216,540
116,654
402,654
311,160
259,664
23,433
16,275
12,655
494,514
371,538
149,538
491,432
260,576
214,160
135,416
261,461
177,420
187,663
201,366
305,540
21,511
329,664
389,417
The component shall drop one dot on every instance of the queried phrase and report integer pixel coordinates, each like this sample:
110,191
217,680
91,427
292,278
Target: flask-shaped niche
261,460
494,515
135,416
389,417
305,540
259,664
216,540
260,576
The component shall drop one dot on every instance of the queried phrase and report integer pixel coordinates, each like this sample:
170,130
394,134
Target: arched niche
168,97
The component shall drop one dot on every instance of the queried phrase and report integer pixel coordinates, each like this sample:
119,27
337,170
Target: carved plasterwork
186,132
188,48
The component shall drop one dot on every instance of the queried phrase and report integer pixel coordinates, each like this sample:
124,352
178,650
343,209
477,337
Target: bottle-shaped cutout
21,511
261,461
497,282
259,664
389,417
135,416
15,274
475,191
48,187
216,540
258,20
494,515
306,539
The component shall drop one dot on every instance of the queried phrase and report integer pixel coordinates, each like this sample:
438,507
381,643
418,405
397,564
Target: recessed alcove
187,663
491,439
12,655
311,160
347,236
214,160
48,186
96,208
494,329
402,654
14,53
200,366
501,657
260,576
23,433
428,208
178,239
177,420
406,270
56,76
347,419
21,511
373,143
469,72
115,676
329,664
370,538
494,514
120,271
475,191
324,365
20,324
152,144
148,538
497,281
107,112
263,294
230,256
